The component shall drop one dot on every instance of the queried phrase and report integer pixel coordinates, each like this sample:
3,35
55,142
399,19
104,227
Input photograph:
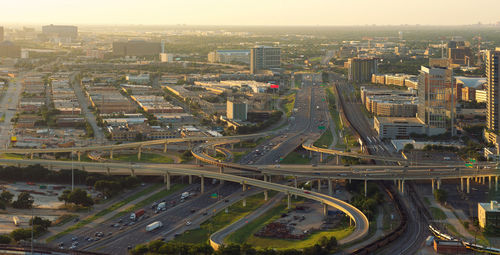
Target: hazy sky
250,12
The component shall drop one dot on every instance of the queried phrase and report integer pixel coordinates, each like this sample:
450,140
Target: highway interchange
311,111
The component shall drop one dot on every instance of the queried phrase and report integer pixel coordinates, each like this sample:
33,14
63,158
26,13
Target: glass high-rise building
264,57
493,100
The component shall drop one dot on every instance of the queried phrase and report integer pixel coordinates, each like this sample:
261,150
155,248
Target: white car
188,223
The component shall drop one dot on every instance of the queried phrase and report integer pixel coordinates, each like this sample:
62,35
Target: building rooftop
492,206
398,120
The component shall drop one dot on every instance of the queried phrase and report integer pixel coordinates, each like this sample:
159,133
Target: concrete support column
338,160
432,183
165,148
468,185
265,195
132,172
289,202
244,202
462,184
399,185
31,155
166,179
325,209
319,185
330,188
139,152
232,146
221,169
366,187
244,186
108,171
111,154
489,182
482,179
295,184
321,157
265,177
310,154
190,179
439,184
496,183
79,153
202,187
403,186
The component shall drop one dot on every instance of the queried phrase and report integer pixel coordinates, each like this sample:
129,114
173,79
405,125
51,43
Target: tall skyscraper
436,100
1,34
264,57
236,110
361,69
493,99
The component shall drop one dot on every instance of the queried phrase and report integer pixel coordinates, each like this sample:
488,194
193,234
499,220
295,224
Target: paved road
84,105
8,106
219,236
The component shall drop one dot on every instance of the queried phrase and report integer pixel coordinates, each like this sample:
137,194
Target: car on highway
188,223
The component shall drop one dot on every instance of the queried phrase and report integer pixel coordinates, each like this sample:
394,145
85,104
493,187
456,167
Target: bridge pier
79,153
132,172
244,186
325,210
330,187
190,179
319,185
468,185
139,152
489,182
289,202
338,160
202,184
366,187
108,171
166,179
403,186
31,155
461,184
438,184
399,184
265,195
165,148
432,183
111,154
244,202
321,157
295,184
221,170
496,183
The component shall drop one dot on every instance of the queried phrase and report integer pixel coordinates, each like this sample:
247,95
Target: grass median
110,209
246,233
223,219
295,158
325,140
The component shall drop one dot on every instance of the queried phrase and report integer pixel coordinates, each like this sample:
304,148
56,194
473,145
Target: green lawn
155,197
245,234
63,219
222,219
437,213
145,158
325,140
110,209
288,104
237,155
12,156
295,158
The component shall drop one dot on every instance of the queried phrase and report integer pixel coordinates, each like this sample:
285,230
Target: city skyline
247,13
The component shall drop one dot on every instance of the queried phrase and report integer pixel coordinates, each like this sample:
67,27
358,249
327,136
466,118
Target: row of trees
24,200
39,225
324,246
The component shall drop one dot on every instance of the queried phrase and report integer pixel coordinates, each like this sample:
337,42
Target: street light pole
72,173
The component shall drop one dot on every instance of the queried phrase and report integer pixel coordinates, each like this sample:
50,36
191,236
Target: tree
80,197
440,195
38,221
2,205
5,239
6,197
64,196
21,234
24,201
408,147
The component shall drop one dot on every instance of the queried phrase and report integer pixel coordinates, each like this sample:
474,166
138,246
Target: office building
482,96
264,57
493,99
436,100
61,31
460,55
236,110
439,62
229,56
397,128
361,69
136,48
468,94
1,34
488,214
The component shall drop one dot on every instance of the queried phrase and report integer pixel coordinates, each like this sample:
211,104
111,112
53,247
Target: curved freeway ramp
360,220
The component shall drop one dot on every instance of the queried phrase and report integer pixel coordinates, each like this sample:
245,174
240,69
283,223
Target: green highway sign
214,195
321,127
469,165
